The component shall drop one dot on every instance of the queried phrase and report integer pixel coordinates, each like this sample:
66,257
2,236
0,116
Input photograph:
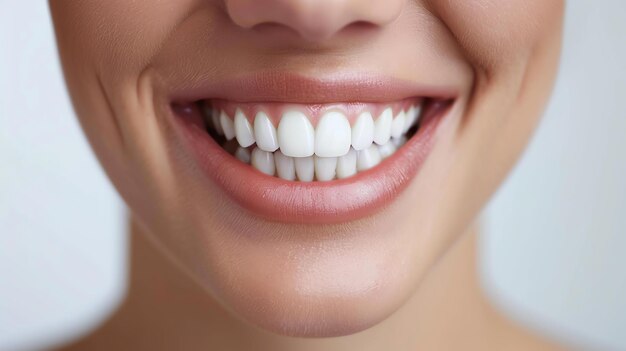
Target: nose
313,20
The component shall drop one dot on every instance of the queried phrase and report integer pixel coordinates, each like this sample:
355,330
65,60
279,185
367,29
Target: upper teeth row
296,137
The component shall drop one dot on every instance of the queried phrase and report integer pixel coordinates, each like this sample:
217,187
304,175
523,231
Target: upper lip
277,86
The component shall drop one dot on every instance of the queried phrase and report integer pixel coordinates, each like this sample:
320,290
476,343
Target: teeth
215,120
285,166
346,165
243,155
305,168
412,117
263,161
367,158
397,126
399,141
363,131
382,127
386,150
325,168
296,136
296,150
333,135
243,129
227,126
265,133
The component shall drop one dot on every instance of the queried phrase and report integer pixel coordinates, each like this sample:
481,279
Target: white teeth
382,127
265,133
227,126
363,131
243,155
295,150
397,126
296,136
412,116
263,161
243,129
285,166
215,120
387,150
332,135
399,141
367,158
305,168
325,168
346,165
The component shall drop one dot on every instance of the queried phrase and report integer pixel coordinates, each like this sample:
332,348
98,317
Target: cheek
496,32
118,37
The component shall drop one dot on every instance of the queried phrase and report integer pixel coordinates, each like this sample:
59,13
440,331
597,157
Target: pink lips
315,202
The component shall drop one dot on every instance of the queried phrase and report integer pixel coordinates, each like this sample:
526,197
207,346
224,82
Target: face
308,162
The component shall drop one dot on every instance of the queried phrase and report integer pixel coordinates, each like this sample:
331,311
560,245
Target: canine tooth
285,166
367,158
363,131
386,150
332,135
399,141
397,125
382,127
346,165
243,129
305,168
263,161
215,120
411,117
227,126
243,155
265,133
325,168
296,136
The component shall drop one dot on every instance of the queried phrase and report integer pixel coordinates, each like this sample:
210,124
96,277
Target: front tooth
411,117
363,131
243,129
325,168
265,133
285,166
227,125
387,150
215,120
305,168
367,158
346,165
382,127
296,136
263,161
332,135
397,126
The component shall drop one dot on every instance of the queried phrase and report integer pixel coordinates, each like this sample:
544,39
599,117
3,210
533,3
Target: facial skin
122,61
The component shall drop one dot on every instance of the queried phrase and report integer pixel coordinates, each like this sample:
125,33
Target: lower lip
334,201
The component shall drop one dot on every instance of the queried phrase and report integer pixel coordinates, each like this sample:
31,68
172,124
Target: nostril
272,27
360,26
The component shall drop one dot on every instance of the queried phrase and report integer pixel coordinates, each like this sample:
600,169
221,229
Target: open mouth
318,162
321,142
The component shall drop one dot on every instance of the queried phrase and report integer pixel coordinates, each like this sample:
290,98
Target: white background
553,254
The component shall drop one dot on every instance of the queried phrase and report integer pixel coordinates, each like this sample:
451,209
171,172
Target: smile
320,162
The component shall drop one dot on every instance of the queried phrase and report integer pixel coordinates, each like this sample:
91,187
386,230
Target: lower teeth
306,169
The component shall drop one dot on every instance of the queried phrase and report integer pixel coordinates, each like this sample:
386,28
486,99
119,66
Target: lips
300,162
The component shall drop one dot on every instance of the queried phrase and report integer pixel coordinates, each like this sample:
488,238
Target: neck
165,309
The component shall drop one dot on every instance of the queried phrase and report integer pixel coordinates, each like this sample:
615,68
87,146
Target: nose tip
313,20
